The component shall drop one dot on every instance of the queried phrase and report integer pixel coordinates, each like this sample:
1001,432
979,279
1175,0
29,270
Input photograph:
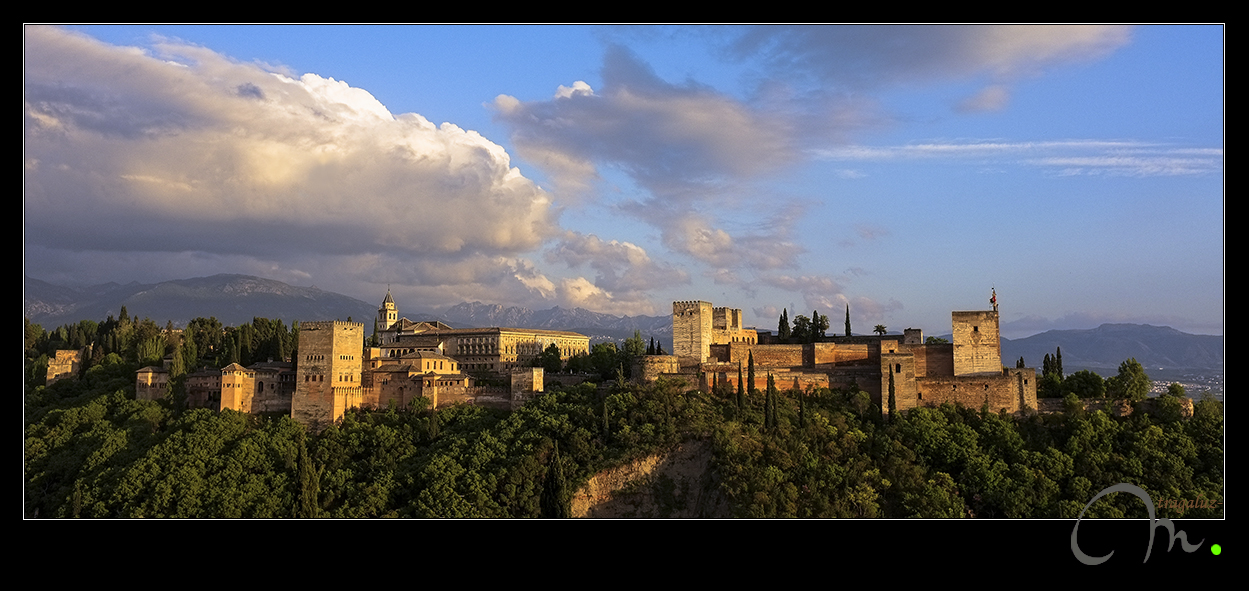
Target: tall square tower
327,381
977,346
691,331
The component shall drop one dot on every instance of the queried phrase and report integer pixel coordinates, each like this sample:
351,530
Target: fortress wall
649,367
824,353
784,379
855,354
933,360
1002,391
777,356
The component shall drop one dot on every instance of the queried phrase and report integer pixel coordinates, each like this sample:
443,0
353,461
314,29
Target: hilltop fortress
333,371
710,346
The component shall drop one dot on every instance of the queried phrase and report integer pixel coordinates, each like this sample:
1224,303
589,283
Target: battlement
329,325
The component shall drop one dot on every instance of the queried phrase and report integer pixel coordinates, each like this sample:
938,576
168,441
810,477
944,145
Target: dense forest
92,450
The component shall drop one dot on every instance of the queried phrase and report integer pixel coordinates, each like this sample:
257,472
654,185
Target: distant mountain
599,327
1108,345
232,299
477,314
236,299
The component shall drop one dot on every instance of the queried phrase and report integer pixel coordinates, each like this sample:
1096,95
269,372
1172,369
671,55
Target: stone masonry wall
1002,391
933,360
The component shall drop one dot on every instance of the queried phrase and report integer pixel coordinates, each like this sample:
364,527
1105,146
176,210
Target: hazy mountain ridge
233,299
1110,344
236,299
478,314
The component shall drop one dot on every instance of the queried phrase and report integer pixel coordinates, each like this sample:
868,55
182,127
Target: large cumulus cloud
260,161
149,153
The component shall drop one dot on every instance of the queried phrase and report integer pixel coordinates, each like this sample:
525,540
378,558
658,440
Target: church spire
388,313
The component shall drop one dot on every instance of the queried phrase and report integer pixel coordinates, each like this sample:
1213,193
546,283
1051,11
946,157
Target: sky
903,171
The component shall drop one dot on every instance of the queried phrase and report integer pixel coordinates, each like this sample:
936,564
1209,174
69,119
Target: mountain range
236,299
1106,346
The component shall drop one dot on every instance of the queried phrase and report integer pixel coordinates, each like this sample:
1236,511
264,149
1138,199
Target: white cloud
1113,157
860,56
620,266
188,151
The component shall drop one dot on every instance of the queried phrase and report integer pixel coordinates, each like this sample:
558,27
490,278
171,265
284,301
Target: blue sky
904,171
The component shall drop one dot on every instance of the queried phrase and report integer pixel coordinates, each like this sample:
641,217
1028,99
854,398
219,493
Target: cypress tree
433,424
847,319
555,490
750,373
1058,363
741,386
309,482
606,422
769,405
802,409
782,330
893,403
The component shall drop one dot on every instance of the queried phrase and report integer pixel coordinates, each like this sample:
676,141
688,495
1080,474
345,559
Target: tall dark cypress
741,386
802,409
750,374
309,482
893,403
769,405
782,330
847,319
555,490
1058,362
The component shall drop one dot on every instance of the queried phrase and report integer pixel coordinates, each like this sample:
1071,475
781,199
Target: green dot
1215,549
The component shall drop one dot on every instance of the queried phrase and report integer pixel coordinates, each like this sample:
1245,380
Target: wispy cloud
1119,157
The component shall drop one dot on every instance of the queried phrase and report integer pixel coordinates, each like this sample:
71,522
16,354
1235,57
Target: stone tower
977,345
327,382
691,331
388,314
